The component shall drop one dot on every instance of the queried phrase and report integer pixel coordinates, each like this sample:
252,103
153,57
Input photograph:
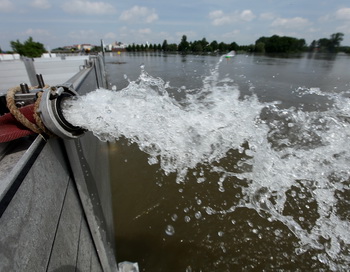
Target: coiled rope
39,127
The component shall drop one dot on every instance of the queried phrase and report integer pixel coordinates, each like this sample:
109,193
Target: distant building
70,47
116,46
86,47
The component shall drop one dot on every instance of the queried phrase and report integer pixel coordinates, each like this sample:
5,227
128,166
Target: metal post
40,80
28,63
24,88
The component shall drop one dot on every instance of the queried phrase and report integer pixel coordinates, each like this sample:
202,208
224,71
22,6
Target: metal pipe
24,88
50,112
39,78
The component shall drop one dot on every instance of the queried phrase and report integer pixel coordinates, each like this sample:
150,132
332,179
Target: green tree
29,48
277,44
323,44
96,49
183,45
205,44
233,46
332,44
259,47
223,47
214,45
165,45
313,45
247,48
196,46
172,47
335,41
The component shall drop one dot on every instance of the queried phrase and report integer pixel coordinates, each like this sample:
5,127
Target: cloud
41,4
84,35
139,14
145,31
218,17
291,23
39,32
344,28
110,36
88,7
343,14
6,6
268,16
247,15
231,34
142,35
191,35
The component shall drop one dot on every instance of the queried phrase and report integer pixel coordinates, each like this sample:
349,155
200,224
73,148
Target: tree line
200,46
329,45
273,44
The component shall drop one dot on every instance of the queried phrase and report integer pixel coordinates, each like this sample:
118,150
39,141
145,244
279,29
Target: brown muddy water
230,165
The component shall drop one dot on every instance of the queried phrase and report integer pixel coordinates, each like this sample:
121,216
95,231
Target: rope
36,115
39,127
11,105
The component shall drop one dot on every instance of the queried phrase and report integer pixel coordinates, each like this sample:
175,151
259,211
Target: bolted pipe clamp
50,111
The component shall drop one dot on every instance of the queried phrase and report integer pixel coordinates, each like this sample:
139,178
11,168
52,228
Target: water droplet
278,232
174,217
209,210
198,215
200,180
169,230
187,219
189,269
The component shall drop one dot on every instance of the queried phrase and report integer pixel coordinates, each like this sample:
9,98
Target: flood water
229,164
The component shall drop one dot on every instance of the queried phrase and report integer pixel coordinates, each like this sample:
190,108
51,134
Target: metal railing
89,163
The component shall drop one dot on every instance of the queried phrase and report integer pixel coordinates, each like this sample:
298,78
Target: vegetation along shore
273,44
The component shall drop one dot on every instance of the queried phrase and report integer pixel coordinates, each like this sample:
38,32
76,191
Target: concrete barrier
4,57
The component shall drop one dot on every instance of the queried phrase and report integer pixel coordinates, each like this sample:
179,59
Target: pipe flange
50,112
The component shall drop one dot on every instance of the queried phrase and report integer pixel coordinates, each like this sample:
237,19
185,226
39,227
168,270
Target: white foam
285,152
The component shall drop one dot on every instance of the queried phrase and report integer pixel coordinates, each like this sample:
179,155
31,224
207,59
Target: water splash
290,159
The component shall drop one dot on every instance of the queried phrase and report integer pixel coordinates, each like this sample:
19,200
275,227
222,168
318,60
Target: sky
67,22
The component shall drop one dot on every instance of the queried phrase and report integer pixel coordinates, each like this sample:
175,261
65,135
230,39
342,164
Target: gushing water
283,156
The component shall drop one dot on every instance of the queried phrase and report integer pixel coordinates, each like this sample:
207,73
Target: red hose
11,129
